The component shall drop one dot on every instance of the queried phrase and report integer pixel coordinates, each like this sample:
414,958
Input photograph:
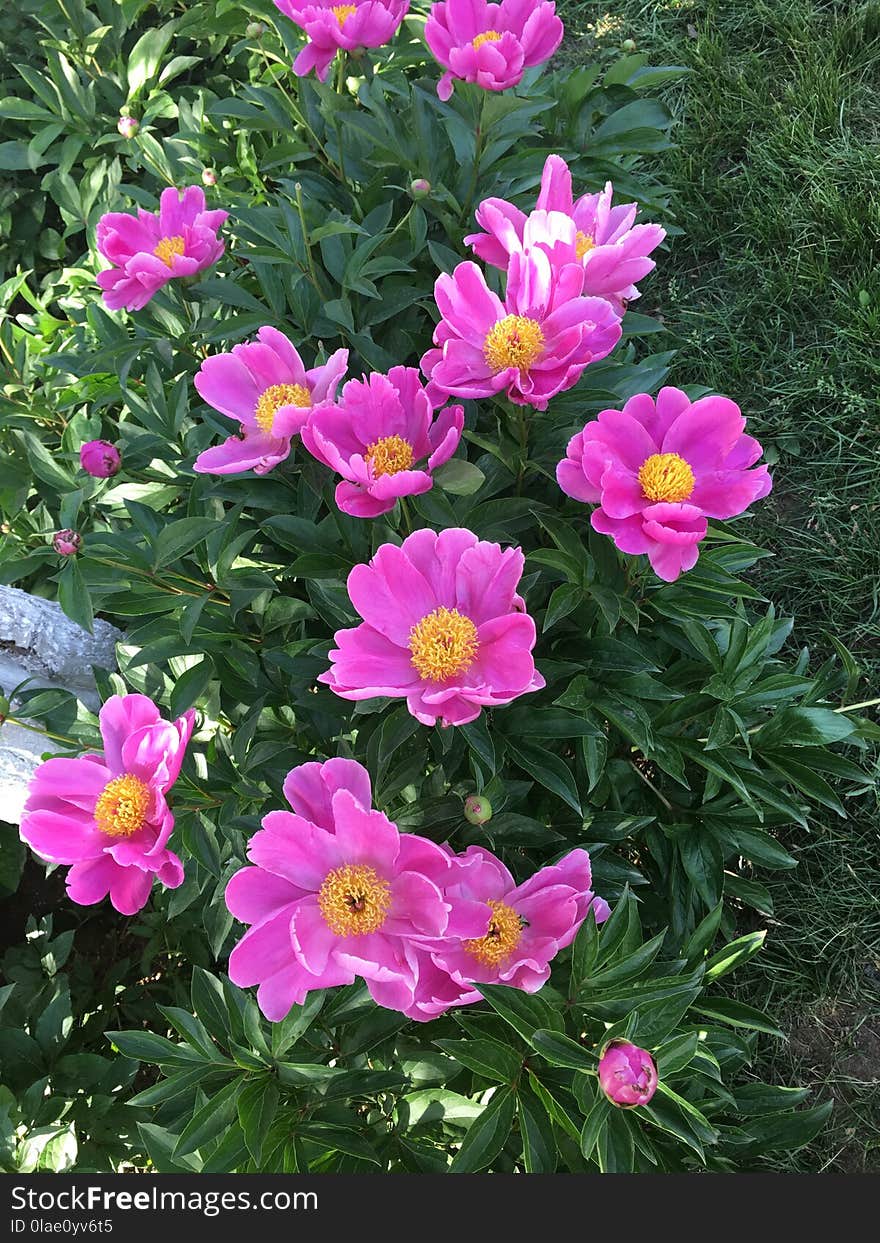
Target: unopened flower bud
209,177
128,126
100,459
419,188
477,809
66,543
255,30
628,45
627,1074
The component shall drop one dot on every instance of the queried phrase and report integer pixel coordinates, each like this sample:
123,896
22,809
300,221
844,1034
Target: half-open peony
330,904
528,925
383,439
443,628
265,386
333,28
535,343
613,249
491,44
107,815
150,249
658,469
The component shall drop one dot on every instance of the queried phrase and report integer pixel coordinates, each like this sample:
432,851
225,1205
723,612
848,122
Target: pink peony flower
658,470
528,925
330,903
100,459
332,28
613,250
627,1074
536,342
150,249
107,814
376,436
491,44
263,384
67,543
443,627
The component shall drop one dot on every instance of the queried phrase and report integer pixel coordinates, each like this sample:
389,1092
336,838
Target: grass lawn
773,293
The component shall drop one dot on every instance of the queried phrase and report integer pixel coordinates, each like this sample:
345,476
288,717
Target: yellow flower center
488,36
342,12
276,396
443,644
169,247
121,808
666,477
354,900
515,341
389,455
505,930
583,244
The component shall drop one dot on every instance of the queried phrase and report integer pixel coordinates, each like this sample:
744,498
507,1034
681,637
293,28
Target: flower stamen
354,900
342,12
488,36
389,455
121,809
515,341
666,477
274,397
502,937
168,247
443,644
583,244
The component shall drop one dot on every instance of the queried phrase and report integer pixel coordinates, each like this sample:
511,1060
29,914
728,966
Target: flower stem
478,152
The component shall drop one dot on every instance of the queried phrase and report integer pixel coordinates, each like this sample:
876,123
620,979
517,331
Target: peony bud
254,30
66,543
209,177
477,809
419,188
100,458
628,45
128,126
627,1074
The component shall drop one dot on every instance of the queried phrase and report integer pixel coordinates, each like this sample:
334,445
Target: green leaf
207,1123
548,769
190,686
737,1014
594,1125
257,1106
180,537
738,951
487,1057
459,477
73,595
486,1135
145,56
536,1132
525,1012
561,1050
804,727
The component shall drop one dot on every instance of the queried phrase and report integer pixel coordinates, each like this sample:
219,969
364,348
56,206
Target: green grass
774,295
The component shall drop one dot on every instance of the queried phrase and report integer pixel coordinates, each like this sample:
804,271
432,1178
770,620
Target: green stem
523,429
313,275
35,729
405,515
478,152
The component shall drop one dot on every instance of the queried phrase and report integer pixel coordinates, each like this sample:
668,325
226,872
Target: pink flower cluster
107,814
657,469
335,893
443,627
150,249
334,28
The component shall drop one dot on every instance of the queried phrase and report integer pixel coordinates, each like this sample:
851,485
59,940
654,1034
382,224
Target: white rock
38,642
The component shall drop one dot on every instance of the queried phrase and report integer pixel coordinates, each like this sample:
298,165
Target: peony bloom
67,543
443,627
491,44
627,1074
528,925
333,28
107,814
536,342
658,470
330,904
377,435
100,459
265,386
150,249
613,250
